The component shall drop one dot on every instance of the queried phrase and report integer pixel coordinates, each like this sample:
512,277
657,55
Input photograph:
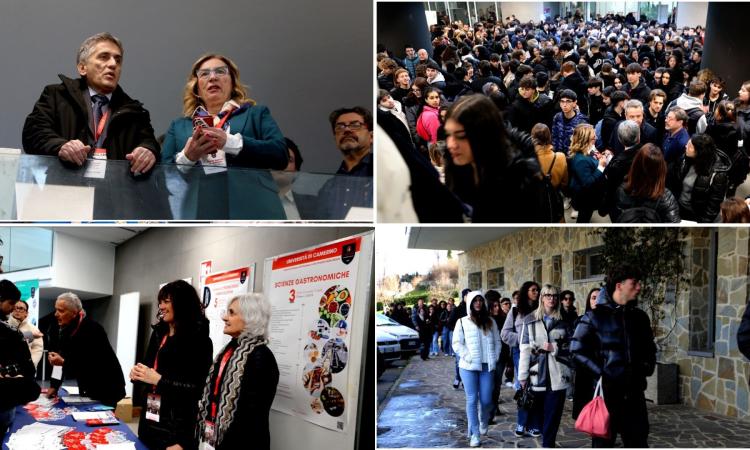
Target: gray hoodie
687,102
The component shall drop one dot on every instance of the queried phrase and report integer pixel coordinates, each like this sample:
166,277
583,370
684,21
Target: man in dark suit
92,116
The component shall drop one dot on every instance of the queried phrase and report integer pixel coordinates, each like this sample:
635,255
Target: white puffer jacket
466,343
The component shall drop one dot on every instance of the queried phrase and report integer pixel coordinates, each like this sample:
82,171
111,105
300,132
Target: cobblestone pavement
423,410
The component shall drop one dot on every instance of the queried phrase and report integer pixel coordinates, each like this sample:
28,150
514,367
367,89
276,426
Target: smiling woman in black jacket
173,370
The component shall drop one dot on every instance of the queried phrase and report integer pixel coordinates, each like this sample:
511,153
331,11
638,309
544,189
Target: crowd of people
188,398
551,353
504,121
221,126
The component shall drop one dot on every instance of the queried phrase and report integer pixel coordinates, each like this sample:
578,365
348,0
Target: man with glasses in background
352,130
566,120
92,117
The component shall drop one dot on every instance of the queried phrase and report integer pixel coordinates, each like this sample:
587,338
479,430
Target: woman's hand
145,374
548,347
200,145
218,135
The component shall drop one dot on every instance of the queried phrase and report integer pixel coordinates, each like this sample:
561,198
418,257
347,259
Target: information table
23,418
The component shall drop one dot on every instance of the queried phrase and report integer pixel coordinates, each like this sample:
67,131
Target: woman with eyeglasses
528,301
223,127
476,341
544,337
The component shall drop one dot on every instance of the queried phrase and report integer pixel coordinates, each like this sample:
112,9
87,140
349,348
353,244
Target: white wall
691,14
80,264
165,254
524,11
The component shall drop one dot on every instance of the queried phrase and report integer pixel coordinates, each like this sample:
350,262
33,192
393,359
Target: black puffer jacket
183,365
726,137
616,342
524,114
510,193
14,353
665,206
708,191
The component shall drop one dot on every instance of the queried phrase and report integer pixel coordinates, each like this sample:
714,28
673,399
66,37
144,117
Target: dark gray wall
403,23
725,49
301,59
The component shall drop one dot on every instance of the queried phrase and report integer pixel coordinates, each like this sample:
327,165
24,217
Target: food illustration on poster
310,336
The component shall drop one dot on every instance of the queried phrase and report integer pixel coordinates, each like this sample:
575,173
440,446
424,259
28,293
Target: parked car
407,338
388,349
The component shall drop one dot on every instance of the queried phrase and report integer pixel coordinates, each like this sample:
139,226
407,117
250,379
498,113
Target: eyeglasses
551,295
20,308
205,74
354,126
565,100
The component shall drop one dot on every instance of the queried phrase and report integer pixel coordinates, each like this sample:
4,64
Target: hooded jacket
694,108
615,342
474,345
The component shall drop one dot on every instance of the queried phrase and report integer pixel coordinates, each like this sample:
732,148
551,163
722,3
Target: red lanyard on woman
217,385
220,125
156,358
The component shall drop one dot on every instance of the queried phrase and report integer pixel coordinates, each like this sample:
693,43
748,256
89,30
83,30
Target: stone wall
715,380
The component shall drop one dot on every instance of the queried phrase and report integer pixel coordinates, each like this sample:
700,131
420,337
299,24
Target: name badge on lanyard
153,400
97,166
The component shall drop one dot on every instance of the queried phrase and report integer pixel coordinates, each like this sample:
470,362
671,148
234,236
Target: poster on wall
203,272
313,293
218,290
30,294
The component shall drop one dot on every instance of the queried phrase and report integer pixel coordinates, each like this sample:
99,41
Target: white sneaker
574,214
483,429
474,442
508,384
566,203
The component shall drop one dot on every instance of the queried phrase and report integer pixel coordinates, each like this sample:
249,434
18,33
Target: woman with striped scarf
242,381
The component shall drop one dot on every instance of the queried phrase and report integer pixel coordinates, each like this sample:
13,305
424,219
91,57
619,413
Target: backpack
551,200
639,214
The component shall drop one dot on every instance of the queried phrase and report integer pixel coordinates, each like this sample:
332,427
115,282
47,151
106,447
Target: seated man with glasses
352,129
92,116
566,120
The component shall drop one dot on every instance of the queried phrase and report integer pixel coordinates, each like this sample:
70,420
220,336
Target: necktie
100,101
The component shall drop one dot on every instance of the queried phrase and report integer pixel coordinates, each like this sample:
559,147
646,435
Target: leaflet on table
219,289
312,293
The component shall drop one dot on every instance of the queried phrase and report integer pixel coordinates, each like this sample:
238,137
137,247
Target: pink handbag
594,417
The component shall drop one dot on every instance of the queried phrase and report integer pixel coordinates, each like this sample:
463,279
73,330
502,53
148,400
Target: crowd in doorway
506,121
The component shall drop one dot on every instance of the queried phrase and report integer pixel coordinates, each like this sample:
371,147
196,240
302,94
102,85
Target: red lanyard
222,366
220,125
156,359
100,127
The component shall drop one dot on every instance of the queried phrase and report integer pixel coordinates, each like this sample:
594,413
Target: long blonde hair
547,289
580,142
190,98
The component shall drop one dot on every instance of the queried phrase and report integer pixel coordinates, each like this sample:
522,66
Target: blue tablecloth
24,418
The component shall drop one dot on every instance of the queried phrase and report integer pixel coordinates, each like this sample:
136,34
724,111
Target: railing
43,188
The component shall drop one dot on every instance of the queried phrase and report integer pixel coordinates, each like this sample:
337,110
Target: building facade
698,331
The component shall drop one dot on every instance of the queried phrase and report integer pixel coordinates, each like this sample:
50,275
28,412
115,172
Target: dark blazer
63,113
183,365
90,360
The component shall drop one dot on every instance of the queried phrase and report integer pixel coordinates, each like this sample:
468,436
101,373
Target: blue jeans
447,337
478,385
435,348
523,415
546,415
6,419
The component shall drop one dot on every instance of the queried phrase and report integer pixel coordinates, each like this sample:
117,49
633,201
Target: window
475,281
496,278
538,270
24,248
556,278
588,264
703,294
